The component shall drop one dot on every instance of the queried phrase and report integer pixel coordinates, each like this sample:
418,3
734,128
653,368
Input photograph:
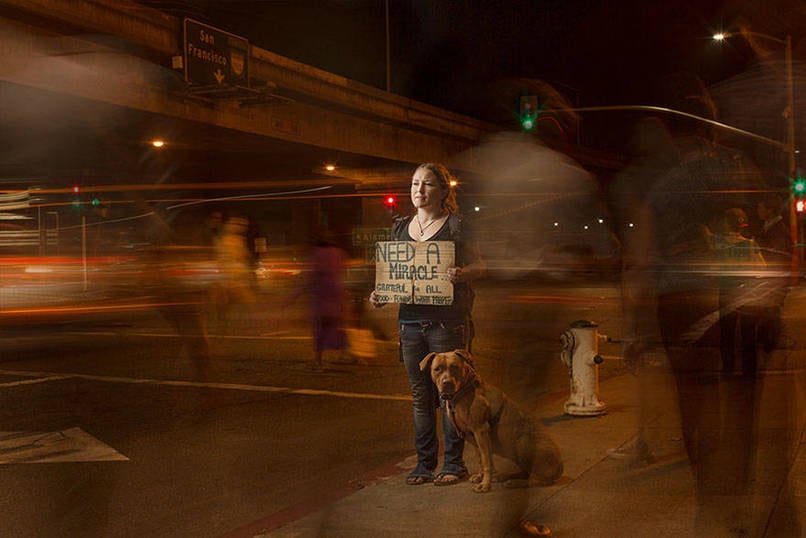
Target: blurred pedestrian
431,328
774,238
324,283
653,154
234,271
739,262
673,243
212,228
181,300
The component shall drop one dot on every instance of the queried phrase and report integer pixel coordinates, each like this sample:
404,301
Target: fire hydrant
580,354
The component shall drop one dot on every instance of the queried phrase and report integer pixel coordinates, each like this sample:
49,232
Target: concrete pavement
596,496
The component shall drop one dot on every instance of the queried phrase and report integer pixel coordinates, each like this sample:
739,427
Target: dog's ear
465,354
426,362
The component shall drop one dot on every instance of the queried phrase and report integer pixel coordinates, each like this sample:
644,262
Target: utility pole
388,55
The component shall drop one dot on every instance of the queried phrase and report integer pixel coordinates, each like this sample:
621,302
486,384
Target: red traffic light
390,201
76,189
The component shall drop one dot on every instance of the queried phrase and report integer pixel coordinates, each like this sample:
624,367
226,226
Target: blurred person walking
738,261
653,154
235,274
328,296
775,241
182,300
430,328
674,244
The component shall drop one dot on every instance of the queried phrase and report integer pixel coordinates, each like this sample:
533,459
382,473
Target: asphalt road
109,429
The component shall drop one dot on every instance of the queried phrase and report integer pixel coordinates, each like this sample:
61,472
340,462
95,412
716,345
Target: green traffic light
799,186
95,202
530,108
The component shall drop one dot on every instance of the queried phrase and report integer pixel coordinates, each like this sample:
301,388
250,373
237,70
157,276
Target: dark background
451,53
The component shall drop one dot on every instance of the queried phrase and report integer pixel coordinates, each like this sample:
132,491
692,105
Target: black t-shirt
462,292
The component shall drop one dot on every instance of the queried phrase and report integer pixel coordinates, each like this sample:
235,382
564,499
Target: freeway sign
214,57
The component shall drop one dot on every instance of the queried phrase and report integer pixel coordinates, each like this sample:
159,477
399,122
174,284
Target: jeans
418,339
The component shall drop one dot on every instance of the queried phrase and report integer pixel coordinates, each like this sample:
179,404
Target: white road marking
34,381
70,445
267,336
54,376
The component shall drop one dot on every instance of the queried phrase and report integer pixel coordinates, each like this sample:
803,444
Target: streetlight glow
158,143
719,37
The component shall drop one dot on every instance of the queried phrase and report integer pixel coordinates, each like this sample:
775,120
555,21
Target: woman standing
429,328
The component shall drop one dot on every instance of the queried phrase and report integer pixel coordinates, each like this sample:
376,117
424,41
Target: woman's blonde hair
445,179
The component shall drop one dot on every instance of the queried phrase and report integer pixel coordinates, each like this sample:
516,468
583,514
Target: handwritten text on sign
412,272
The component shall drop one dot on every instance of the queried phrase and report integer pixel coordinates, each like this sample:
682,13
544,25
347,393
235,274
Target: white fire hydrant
580,344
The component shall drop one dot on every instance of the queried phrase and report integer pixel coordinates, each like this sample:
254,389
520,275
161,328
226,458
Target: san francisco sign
214,57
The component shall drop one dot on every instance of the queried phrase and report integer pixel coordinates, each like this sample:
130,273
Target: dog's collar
471,383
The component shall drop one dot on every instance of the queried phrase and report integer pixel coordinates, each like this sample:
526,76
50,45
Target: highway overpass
108,66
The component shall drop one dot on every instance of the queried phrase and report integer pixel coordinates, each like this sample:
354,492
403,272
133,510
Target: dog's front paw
482,487
475,478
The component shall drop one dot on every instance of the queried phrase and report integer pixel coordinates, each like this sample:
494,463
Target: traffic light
799,186
76,202
530,110
390,201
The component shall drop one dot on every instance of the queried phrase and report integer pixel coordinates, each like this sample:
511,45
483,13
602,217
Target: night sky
458,54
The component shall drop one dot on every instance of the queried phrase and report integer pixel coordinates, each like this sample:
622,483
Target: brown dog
497,423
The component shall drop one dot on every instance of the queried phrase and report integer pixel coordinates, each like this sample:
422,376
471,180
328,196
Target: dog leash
452,417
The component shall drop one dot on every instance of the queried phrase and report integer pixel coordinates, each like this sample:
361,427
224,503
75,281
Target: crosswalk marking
70,445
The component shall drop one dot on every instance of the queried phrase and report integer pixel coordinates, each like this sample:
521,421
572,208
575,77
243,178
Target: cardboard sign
414,273
365,239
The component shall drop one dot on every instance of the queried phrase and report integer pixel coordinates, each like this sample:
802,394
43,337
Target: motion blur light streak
558,299
212,185
88,309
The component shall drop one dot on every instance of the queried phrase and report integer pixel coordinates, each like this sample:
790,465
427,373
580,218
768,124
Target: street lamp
789,114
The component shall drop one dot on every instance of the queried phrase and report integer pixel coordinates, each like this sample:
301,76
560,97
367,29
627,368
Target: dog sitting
497,423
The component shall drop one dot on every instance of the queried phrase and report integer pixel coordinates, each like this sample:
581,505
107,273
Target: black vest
460,310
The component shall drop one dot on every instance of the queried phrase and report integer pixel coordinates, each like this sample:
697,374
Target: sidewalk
597,496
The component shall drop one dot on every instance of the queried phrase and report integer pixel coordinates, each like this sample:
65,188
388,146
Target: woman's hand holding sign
373,300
